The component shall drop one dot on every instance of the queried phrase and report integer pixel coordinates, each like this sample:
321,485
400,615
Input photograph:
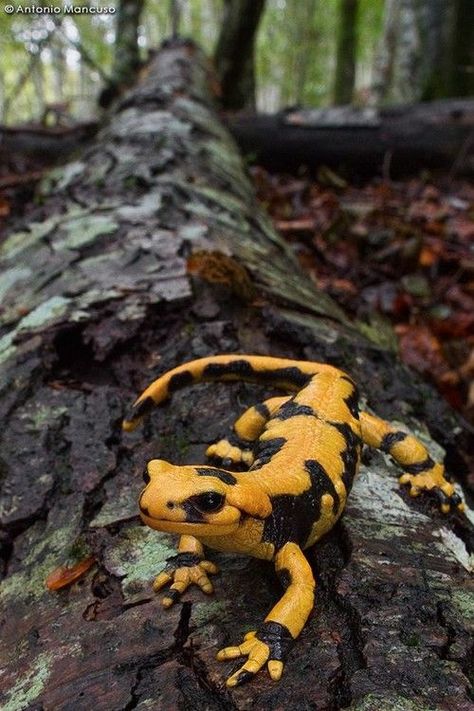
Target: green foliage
70,56
295,52
56,44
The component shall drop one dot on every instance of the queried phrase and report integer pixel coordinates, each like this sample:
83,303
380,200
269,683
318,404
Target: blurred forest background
311,52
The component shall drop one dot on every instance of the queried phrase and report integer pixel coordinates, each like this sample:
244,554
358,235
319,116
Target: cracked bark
97,300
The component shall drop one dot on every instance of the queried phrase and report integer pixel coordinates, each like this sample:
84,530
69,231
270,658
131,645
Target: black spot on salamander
351,455
221,474
390,439
193,515
266,450
244,676
352,400
291,374
284,577
419,467
262,410
180,380
235,441
293,515
237,368
173,595
321,483
277,637
140,409
291,519
292,409
182,560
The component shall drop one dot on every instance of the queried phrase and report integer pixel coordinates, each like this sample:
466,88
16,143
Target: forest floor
396,256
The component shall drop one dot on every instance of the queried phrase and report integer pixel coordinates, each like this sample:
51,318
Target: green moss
411,640
50,551
59,178
10,277
176,444
208,611
79,550
47,311
130,182
83,229
464,601
30,685
43,415
379,330
374,702
139,556
7,348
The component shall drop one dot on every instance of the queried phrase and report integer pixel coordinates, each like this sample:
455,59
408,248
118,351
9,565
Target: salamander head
198,500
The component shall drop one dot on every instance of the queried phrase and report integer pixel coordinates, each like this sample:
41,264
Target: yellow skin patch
303,452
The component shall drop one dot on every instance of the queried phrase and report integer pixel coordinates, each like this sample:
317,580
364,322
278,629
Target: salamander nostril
146,476
144,510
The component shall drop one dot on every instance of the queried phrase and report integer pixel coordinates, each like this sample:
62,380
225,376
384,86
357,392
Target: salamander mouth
185,527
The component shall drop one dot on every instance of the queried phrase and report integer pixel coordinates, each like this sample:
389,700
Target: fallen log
396,140
46,144
97,298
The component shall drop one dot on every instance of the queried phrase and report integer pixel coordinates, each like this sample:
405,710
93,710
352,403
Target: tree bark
126,51
415,49
346,52
235,53
96,301
407,139
461,80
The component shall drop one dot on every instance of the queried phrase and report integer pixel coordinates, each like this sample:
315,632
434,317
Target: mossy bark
97,300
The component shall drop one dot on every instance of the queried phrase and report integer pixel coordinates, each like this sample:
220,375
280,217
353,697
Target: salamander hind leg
421,472
238,449
186,568
272,641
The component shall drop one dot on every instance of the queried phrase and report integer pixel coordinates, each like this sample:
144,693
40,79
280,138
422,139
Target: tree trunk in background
126,51
415,51
235,50
59,72
346,52
2,94
37,78
303,34
462,66
97,299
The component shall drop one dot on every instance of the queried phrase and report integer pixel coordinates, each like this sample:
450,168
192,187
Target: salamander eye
146,476
209,501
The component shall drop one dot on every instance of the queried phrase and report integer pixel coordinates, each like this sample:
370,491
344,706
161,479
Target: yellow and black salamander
302,452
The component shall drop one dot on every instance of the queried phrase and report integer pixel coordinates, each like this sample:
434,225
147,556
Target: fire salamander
302,454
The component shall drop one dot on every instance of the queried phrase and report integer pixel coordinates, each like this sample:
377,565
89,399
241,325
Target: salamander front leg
186,568
272,641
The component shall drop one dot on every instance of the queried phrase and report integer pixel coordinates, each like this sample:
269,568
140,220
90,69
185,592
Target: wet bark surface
97,300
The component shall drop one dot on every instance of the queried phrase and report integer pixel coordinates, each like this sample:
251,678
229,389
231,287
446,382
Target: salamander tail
289,375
